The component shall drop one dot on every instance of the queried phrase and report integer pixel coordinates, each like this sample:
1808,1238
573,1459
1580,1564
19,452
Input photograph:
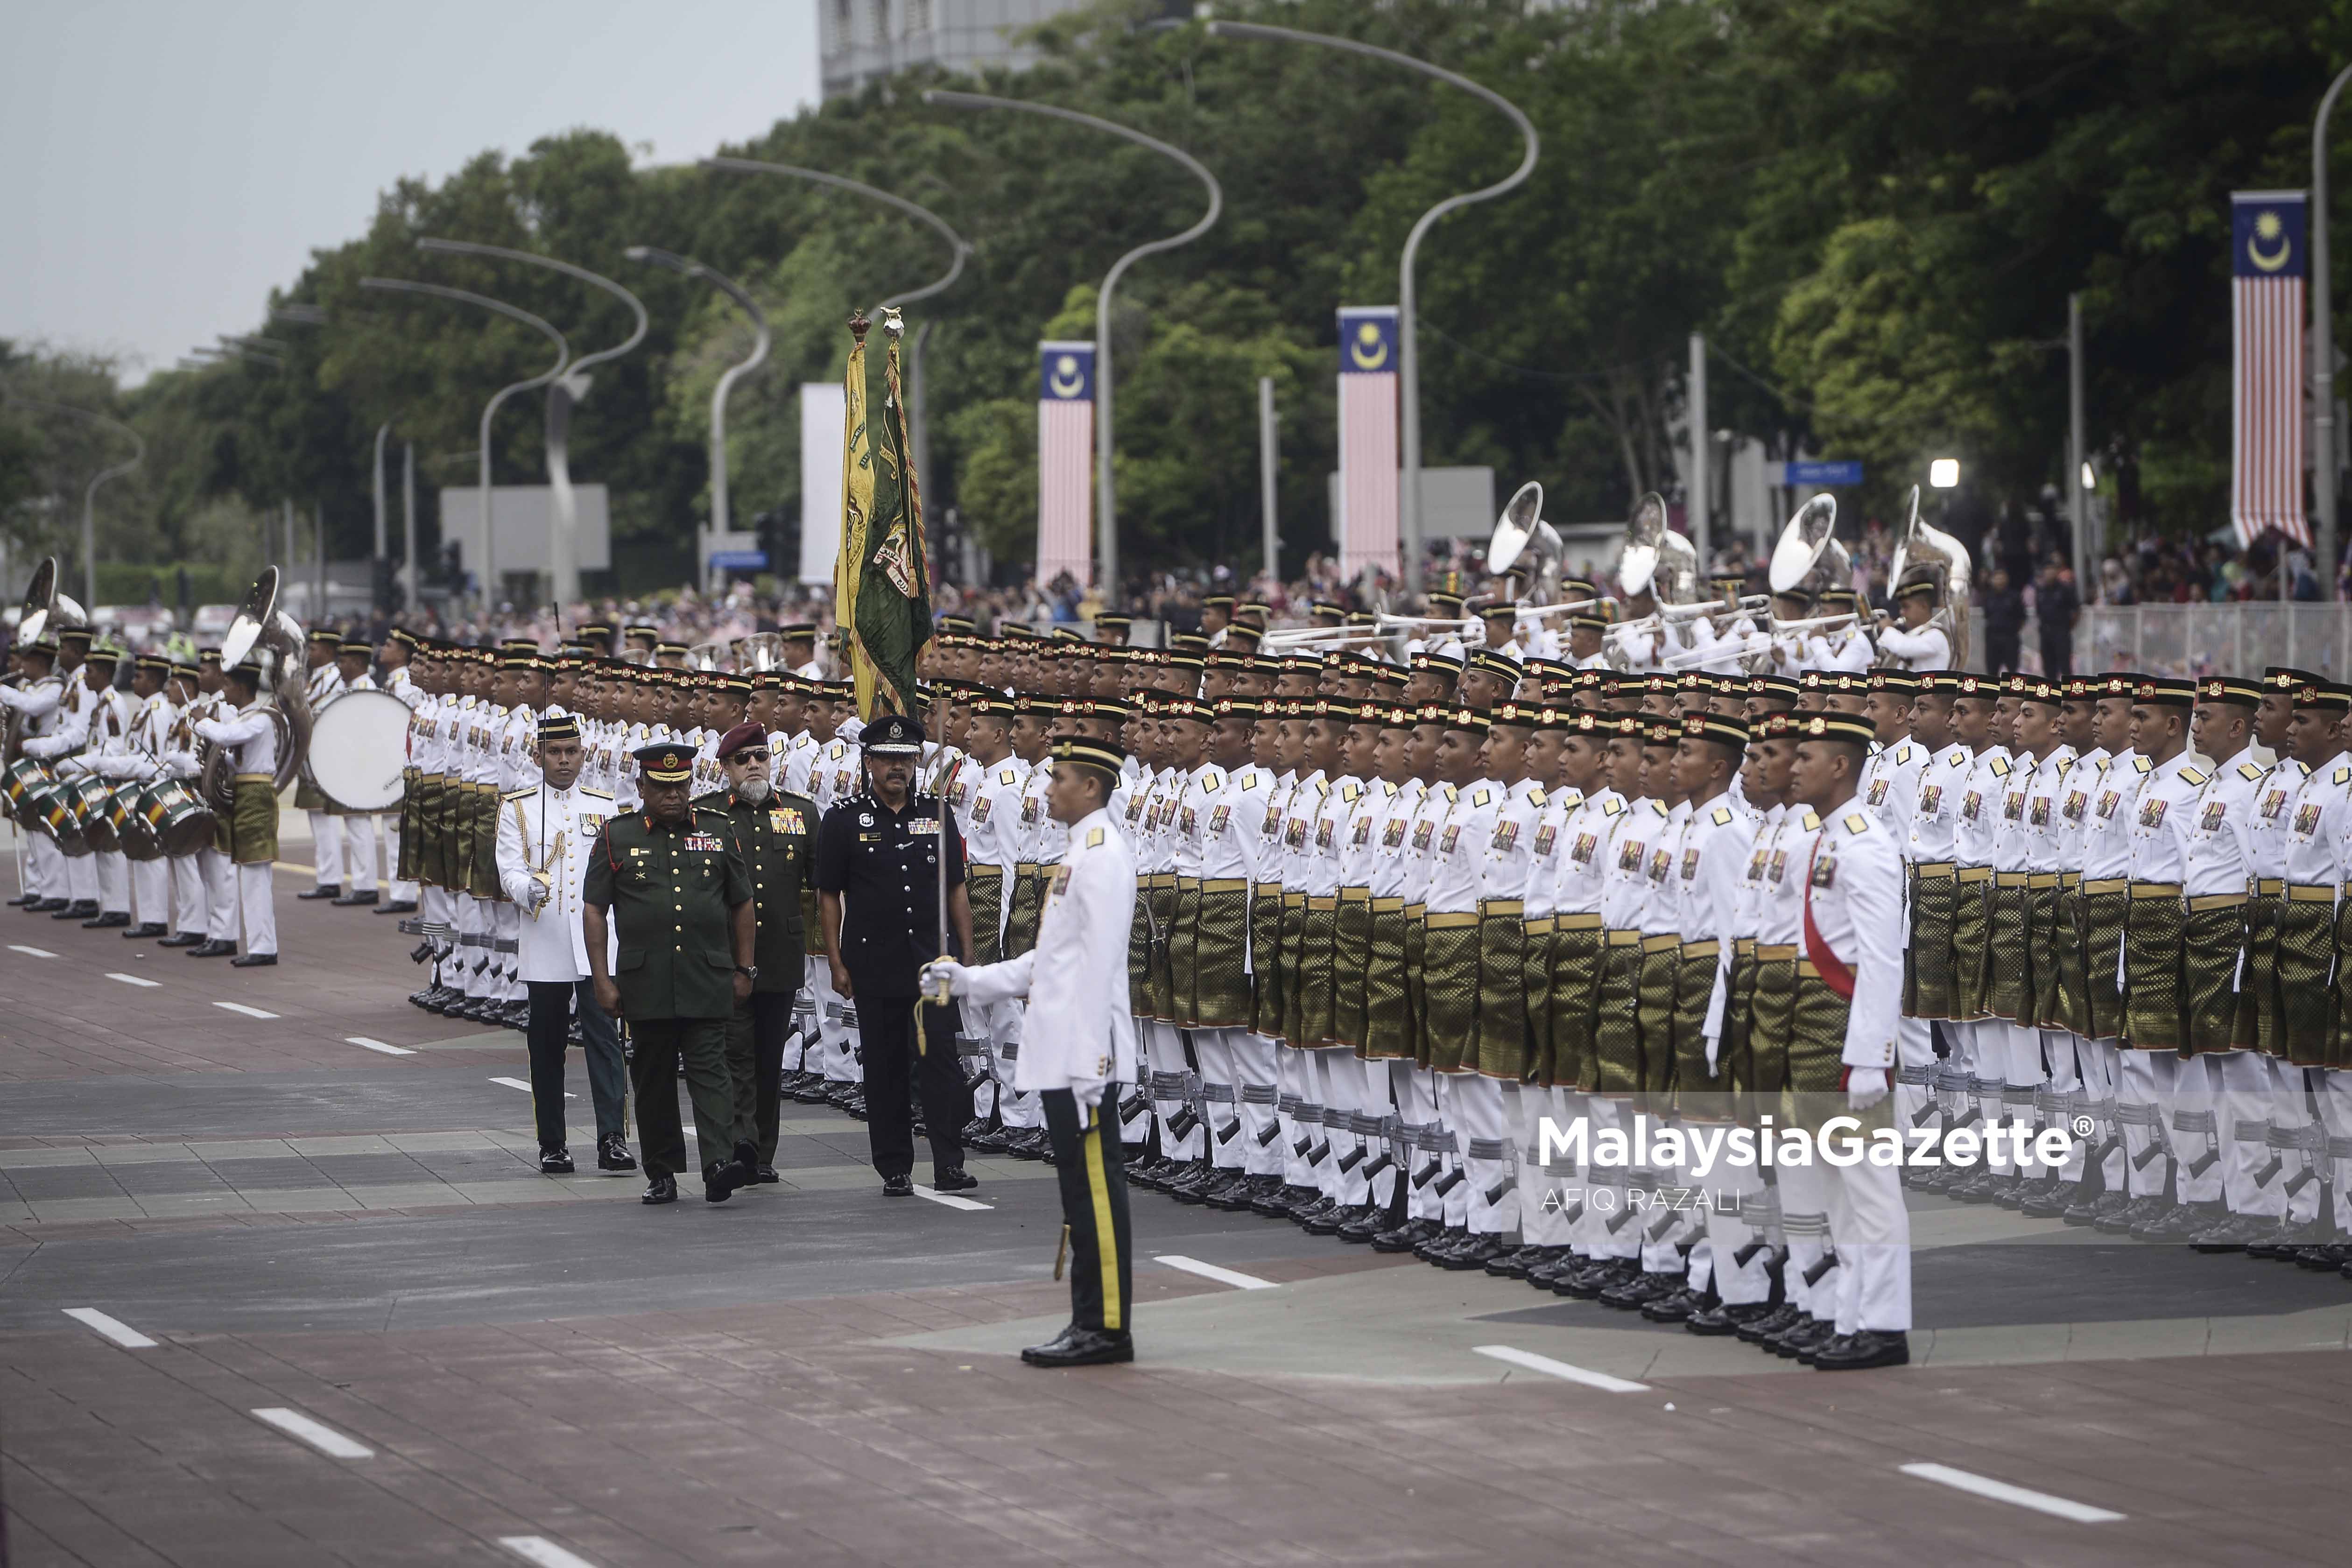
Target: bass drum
359,749
95,798
131,829
177,820
22,777
54,810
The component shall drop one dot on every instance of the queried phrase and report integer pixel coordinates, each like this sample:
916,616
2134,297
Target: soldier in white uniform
399,645
545,832
106,745
322,683
1915,645
40,715
358,834
250,732
1079,1042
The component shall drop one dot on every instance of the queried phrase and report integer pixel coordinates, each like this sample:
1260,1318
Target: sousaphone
260,624
45,610
1928,554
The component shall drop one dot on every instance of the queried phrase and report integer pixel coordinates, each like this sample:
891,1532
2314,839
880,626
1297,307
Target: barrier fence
2236,638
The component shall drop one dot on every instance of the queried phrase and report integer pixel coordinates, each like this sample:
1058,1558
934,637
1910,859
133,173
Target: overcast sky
162,164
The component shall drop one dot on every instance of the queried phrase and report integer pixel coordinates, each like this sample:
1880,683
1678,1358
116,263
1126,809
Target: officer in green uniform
778,831
673,878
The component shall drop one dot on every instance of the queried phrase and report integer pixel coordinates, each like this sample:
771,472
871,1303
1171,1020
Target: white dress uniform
251,733
1925,649
2319,854
991,824
545,829
2159,837
142,759
1846,650
358,830
1467,1115
1251,792
2224,1092
39,708
58,711
1212,853
105,749
324,685
415,697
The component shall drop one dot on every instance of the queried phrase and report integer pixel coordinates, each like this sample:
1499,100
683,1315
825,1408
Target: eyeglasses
751,754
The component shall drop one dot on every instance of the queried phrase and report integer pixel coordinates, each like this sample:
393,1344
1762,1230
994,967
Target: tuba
260,622
1931,555
1521,533
46,610
1655,558
1808,556
759,653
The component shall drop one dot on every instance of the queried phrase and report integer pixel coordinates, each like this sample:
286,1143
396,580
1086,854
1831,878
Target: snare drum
131,829
52,808
94,799
180,822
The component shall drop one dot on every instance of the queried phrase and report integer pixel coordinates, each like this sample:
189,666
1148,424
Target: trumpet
1538,614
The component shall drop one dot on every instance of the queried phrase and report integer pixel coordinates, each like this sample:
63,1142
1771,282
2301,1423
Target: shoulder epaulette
1657,808
1251,782
1903,754
2341,776
519,794
2065,764
599,794
2001,767
1809,822
1451,794
1480,798
2193,776
1348,792
1856,823
2141,765
1611,808
2249,772
1209,785
1959,755
1720,816
1094,837
1322,787
1007,776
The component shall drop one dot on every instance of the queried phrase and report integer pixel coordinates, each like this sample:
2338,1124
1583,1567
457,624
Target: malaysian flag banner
2267,269
1066,461
1367,524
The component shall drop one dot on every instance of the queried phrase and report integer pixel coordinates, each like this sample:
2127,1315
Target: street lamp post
563,522
689,268
2323,338
1106,485
960,249
1408,353
491,408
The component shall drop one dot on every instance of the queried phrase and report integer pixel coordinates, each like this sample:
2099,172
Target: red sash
1835,975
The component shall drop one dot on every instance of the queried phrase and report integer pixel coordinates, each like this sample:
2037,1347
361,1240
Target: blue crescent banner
1368,340
2267,233
1065,372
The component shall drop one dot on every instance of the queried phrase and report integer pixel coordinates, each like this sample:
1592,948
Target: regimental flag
2267,269
881,582
1369,472
1066,461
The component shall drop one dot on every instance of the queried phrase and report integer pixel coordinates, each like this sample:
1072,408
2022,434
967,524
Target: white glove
1864,1087
947,971
1088,1091
538,894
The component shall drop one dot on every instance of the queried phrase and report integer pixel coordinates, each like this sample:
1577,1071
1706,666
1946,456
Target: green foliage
1879,205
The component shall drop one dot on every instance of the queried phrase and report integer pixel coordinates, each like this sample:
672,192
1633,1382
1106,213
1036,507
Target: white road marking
518,1083
241,1008
539,1548
2001,1491
131,980
324,1439
115,1329
1561,1369
377,1045
30,952
1237,1279
949,1199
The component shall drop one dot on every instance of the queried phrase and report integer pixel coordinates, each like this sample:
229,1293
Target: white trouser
1171,1081
833,1031
1871,1229
1385,1157
1017,1108
2248,1112
2292,1095
81,878
359,853
1550,1190
1415,1091
1473,1106
1258,1084
507,965
1300,1109
2198,1138
151,890
2336,1115
2144,1084
220,895
43,867
1609,1228
1214,1050
113,882
258,905
187,893
1804,1218
327,847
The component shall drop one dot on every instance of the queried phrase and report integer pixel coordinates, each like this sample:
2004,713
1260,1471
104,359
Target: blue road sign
1824,473
740,559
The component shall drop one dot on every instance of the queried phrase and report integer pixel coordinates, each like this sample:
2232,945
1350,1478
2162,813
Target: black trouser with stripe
549,1032
895,1070
1094,1204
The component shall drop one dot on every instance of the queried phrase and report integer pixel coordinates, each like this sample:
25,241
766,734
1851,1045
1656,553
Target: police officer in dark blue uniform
877,875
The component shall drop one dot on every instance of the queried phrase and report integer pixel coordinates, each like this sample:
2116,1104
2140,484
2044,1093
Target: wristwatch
749,971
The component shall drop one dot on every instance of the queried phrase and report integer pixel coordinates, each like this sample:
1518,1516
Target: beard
753,789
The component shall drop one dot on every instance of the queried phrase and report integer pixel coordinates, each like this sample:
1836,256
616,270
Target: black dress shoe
22,899
145,931
899,1187
746,1164
766,1176
1723,1319
1675,1307
1860,1352
720,1179
49,906
80,909
554,1162
1361,1229
1761,1330
661,1189
354,900
254,961
397,907
324,890
954,1178
613,1153
1808,1337
1403,1238
183,939
1075,1346
108,921
1640,1291
212,947
1480,1250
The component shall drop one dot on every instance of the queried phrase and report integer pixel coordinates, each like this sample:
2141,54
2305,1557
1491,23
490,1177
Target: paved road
816,1374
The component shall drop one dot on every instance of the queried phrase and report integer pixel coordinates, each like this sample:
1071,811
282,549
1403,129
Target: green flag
882,583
